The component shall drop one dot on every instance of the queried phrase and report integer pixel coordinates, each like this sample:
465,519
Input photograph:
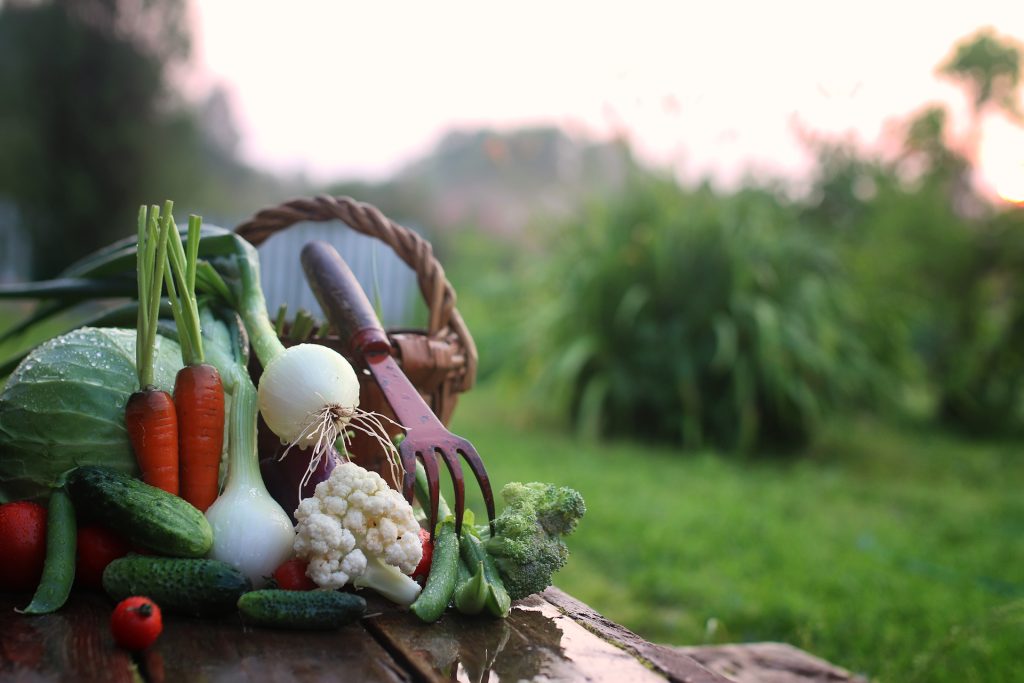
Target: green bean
59,567
498,601
472,590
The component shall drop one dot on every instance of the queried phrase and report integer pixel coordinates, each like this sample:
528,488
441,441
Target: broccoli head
526,544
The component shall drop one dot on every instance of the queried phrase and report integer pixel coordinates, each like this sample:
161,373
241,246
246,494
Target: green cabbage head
64,406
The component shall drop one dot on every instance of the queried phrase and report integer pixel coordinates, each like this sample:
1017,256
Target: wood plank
227,650
73,644
536,642
769,663
551,636
674,665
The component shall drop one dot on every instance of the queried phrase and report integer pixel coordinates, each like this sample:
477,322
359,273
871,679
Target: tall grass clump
698,318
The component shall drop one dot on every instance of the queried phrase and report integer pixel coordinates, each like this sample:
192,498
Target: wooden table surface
548,637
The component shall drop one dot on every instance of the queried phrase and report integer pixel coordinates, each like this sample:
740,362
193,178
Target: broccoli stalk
527,542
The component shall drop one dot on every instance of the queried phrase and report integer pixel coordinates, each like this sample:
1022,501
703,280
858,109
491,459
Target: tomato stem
145,610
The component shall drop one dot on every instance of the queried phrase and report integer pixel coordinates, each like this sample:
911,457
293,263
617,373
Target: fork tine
433,484
455,469
477,465
408,457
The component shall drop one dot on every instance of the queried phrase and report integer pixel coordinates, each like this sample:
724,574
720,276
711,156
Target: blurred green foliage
739,319
700,318
936,271
83,129
979,364
91,124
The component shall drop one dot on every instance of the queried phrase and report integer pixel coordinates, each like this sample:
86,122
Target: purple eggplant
283,476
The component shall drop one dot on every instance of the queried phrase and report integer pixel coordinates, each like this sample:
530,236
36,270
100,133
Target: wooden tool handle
343,300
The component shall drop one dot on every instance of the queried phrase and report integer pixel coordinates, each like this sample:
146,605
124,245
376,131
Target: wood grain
536,642
73,644
550,636
227,650
674,665
769,663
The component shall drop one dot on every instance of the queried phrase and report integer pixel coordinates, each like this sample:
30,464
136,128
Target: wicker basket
440,360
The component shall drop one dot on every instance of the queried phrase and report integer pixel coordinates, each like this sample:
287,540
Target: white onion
306,390
250,530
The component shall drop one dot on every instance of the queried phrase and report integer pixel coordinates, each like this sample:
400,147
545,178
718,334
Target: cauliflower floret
356,529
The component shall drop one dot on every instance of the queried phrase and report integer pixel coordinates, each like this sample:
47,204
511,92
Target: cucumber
301,610
143,514
183,585
444,572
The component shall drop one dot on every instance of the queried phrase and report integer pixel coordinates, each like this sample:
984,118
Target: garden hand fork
347,308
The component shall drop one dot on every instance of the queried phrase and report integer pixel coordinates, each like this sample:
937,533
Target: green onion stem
253,309
244,466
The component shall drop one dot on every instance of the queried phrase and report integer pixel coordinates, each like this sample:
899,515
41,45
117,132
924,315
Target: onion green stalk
250,530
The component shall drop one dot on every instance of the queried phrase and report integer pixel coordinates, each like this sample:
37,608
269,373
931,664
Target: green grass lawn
894,552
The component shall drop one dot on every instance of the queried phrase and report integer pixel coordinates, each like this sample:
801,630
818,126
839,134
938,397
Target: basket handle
414,251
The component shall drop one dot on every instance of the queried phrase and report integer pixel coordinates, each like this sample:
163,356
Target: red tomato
423,568
23,543
291,576
136,623
97,547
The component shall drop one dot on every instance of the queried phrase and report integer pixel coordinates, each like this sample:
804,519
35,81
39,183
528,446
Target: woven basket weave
440,360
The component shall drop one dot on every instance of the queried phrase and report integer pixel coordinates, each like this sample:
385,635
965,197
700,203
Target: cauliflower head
356,529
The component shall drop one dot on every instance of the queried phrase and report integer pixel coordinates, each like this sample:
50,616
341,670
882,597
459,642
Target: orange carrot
199,399
149,414
198,393
153,430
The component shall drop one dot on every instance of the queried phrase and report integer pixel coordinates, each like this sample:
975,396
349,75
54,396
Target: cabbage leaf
64,406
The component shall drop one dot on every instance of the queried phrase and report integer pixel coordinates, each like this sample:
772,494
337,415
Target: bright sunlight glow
1002,159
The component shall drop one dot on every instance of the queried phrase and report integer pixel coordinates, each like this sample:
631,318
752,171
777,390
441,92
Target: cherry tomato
136,623
97,547
23,539
291,576
423,568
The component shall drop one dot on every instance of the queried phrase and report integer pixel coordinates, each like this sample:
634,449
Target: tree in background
91,126
83,116
990,68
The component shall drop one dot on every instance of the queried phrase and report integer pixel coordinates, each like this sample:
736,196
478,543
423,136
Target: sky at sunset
344,89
